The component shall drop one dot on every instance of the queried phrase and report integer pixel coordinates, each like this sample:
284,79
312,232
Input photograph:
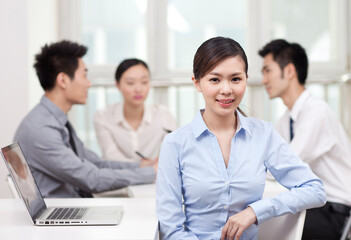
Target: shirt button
225,207
227,183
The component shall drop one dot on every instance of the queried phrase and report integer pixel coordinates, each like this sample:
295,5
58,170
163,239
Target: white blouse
119,141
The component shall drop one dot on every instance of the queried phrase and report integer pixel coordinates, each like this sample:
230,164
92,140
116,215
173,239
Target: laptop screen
23,179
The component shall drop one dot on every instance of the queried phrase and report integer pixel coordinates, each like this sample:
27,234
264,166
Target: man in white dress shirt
314,132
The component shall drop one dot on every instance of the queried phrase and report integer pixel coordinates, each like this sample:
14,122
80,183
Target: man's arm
50,155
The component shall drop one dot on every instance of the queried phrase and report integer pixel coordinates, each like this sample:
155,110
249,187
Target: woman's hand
237,223
147,162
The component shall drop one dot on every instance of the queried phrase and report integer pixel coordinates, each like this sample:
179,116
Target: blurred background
166,34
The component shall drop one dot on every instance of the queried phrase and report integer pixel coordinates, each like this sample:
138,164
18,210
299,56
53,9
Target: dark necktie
291,122
81,193
71,140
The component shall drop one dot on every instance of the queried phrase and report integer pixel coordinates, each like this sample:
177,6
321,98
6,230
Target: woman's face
134,85
223,87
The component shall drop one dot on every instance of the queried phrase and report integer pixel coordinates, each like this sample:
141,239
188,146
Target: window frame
257,23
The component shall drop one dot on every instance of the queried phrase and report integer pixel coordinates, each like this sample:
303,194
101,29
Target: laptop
42,215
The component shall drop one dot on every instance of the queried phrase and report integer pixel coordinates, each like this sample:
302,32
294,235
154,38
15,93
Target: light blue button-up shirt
192,174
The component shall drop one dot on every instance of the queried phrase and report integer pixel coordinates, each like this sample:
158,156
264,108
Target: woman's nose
225,87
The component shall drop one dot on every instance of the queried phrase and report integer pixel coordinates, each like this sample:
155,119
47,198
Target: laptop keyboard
67,213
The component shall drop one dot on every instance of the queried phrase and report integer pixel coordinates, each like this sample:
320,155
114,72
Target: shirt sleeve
305,188
51,156
169,207
106,141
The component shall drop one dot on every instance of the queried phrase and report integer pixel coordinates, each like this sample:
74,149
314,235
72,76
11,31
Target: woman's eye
214,80
236,79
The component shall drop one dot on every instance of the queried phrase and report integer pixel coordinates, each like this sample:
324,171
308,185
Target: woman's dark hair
125,65
56,58
212,52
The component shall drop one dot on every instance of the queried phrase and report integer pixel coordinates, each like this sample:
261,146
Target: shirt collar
58,113
119,115
243,123
199,125
296,109
147,117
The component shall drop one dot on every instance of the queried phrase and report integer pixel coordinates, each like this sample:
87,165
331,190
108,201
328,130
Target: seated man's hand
147,162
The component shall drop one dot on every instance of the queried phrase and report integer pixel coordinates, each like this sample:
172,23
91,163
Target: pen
140,155
167,130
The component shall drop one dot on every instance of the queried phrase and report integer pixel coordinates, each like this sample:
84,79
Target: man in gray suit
61,165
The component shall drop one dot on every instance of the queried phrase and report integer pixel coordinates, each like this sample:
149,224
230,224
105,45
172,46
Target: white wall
13,74
25,26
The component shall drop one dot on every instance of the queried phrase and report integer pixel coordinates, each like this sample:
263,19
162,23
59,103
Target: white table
136,191
138,222
142,191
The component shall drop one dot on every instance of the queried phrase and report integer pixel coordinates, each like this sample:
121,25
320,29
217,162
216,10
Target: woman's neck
133,115
219,124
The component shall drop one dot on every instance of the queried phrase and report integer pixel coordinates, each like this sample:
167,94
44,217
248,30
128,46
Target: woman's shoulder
107,111
180,134
158,108
256,123
162,116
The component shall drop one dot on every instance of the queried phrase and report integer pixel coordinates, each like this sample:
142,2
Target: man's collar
57,112
296,109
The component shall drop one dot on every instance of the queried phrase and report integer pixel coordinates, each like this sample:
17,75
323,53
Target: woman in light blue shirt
211,173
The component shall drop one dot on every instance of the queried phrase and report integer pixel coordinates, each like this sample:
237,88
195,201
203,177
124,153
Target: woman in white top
131,130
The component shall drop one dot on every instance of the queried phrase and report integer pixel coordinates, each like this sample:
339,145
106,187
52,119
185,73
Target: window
113,30
192,22
316,25
166,34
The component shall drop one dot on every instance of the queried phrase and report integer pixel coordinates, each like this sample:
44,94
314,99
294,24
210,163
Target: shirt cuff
263,209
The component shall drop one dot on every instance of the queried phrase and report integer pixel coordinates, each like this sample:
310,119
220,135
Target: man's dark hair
56,58
284,53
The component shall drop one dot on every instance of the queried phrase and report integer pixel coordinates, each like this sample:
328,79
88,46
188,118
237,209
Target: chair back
285,227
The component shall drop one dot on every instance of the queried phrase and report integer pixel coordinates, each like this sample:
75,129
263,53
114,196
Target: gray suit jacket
57,170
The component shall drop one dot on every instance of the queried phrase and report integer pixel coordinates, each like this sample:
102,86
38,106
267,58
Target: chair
12,187
285,227
157,233
346,234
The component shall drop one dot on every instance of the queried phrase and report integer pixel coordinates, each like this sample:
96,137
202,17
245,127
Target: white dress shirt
321,141
119,141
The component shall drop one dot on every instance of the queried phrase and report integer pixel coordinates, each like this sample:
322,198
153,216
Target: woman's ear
196,83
